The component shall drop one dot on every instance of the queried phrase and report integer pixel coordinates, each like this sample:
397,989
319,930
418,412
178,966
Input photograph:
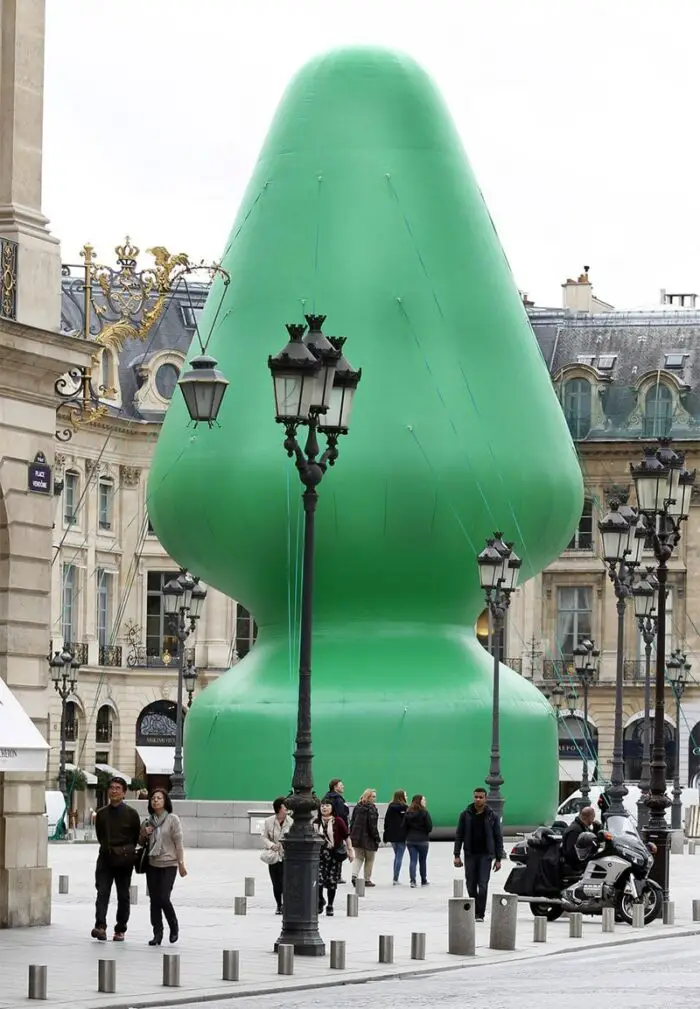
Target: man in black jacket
117,827
334,795
479,833
583,822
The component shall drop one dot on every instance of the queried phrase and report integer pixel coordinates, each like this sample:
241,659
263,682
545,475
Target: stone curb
220,995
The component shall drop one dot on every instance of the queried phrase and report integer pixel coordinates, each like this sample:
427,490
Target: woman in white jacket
274,829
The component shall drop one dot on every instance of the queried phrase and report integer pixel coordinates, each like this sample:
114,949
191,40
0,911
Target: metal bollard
608,919
504,921
285,958
231,965
386,949
461,929
417,945
240,905
360,887
337,954
249,886
63,884
540,930
171,970
638,916
37,982
457,887
696,910
133,895
575,925
691,847
107,976
669,911
353,905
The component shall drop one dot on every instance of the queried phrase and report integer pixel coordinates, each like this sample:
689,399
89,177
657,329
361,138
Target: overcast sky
580,119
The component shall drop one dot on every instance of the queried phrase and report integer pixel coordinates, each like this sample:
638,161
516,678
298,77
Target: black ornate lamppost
63,669
314,388
586,667
183,598
646,598
623,533
499,567
664,487
678,669
190,681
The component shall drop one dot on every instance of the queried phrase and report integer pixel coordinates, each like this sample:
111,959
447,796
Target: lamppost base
660,871
177,786
300,889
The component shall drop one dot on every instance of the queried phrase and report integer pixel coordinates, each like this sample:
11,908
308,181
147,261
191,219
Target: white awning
157,759
572,770
22,746
113,772
90,778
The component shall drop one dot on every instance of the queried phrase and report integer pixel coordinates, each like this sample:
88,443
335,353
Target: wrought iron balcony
140,657
110,655
515,664
79,651
558,669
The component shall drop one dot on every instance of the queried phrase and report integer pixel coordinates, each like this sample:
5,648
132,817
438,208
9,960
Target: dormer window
606,362
191,315
658,411
577,406
675,361
587,359
166,380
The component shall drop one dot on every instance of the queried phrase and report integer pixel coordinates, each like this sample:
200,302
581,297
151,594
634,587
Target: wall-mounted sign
39,475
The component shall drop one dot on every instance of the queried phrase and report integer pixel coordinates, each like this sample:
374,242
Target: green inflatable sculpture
363,207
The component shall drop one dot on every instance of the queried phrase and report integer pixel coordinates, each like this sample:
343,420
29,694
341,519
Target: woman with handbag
273,831
337,846
161,835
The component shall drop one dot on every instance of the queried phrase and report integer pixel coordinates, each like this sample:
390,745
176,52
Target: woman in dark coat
418,826
394,832
336,844
364,833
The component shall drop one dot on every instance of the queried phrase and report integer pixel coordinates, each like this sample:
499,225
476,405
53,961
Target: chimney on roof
526,300
678,300
578,295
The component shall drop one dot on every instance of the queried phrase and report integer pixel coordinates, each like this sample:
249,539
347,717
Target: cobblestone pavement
204,901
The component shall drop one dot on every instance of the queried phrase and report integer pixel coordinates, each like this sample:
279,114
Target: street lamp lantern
511,571
678,669
187,583
679,507
203,388
581,654
295,372
63,671
615,533
336,420
651,481
637,541
645,594
572,701
199,594
324,351
57,668
490,562
173,592
190,679
557,699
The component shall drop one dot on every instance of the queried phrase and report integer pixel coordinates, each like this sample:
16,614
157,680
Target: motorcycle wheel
549,911
652,899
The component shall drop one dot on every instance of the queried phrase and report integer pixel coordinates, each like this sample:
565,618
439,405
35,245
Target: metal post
647,627
608,919
691,847
575,925
107,976
669,913
63,884
637,916
285,958
353,906
177,778
249,886
302,845
676,805
656,829
36,988
360,886
696,910
417,945
62,784
386,949
585,783
540,930
457,887
618,789
337,954
240,905
171,970
230,970
494,779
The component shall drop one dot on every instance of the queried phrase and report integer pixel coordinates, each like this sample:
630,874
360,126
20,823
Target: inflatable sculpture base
363,208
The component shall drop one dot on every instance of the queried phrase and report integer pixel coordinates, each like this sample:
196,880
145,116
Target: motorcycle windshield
622,826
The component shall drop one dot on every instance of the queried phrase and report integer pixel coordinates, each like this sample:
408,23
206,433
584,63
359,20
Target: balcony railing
516,664
110,655
79,651
558,669
103,733
139,657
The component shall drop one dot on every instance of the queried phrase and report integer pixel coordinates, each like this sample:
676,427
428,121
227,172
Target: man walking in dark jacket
479,833
117,827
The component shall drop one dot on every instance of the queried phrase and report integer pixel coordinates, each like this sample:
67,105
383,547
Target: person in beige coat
162,831
274,829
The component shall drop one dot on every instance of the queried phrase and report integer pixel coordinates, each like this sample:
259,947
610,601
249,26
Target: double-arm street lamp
623,533
664,487
314,388
646,601
63,669
678,669
499,567
190,681
183,598
586,667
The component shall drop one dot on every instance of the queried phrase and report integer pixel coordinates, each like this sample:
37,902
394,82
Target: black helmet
586,843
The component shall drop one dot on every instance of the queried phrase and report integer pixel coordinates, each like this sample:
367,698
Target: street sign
39,477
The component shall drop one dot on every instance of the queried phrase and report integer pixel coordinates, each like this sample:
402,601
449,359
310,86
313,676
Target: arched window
633,748
658,411
577,407
71,721
103,725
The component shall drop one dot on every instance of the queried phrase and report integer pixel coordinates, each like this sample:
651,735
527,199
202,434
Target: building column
36,298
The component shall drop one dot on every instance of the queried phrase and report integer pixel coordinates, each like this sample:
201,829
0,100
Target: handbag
141,859
339,853
270,857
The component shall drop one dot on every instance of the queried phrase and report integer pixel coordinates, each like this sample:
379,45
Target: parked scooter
615,870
